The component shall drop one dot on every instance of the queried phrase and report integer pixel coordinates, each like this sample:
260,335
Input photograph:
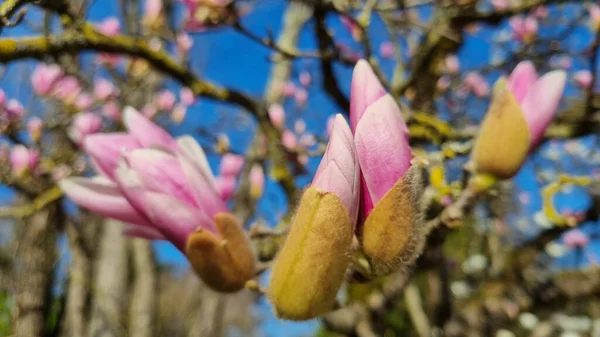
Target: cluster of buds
366,186
145,174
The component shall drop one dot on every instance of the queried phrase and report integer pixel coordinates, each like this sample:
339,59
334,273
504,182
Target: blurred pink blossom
184,42
300,126
289,89
110,26
524,29
226,187
14,110
67,89
477,84
301,96
500,5
583,78
575,238
105,89
165,100
186,96
305,78
84,124
386,49
277,115
452,64
44,77
288,139
443,83
111,110
153,11
84,101
257,181
35,126
540,12
23,160
231,165
178,113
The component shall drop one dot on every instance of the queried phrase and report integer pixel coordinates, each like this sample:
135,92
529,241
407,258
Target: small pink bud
289,89
165,100
44,77
14,110
300,126
67,89
186,96
105,89
149,111
575,238
23,160
307,140
301,96
225,187
277,115
112,111
84,101
500,5
257,181
178,113
84,124
386,49
34,128
288,139
110,26
477,84
583,78
540,12
153,11
305,78
443,83
231,165
452,64
184,43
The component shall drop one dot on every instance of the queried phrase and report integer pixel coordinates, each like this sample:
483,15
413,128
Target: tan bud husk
312,263
225,263
393,231
504,138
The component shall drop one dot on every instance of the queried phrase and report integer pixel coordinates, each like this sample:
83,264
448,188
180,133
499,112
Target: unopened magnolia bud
393,231
225,264
312,263
504,137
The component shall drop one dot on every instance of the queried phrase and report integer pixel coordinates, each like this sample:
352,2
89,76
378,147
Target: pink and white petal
161,172
106,150
365,89
541,103
101,197
383,150
146,132
205,193
174,219
143,232
193,152
521,79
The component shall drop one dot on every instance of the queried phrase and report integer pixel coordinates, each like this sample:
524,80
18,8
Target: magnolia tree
378,168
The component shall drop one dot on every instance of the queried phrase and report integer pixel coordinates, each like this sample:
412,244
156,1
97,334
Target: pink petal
106,149
146,132
203,188
521,79
226,187
101,197
382,147
143,232
231,165
160,172
189,148
541,103
338,171
365,90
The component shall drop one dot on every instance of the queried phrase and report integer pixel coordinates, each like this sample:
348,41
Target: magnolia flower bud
522,107
224,263
312,263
